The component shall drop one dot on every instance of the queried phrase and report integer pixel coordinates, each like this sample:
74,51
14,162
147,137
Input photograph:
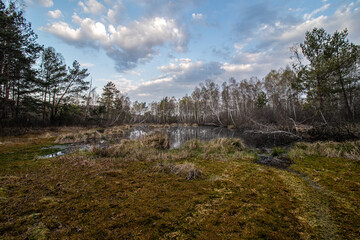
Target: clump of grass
81,136
349,149
192,144
39,232
186,170
156,140
277,151
117,130
224,145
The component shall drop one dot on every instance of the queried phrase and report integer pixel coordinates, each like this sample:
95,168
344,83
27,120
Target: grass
205,190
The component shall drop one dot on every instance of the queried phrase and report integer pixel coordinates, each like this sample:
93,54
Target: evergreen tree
18,53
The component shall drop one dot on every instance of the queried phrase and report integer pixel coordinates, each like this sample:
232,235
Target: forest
320,88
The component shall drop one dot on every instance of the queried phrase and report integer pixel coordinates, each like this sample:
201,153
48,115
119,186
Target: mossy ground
96,196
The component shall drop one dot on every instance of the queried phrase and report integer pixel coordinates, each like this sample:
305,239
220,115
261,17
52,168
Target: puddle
277,162
52,155
65,149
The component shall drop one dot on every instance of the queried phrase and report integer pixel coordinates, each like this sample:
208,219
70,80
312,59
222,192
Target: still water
179,135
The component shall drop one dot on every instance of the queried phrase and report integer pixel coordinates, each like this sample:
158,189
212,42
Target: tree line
322,87
37,88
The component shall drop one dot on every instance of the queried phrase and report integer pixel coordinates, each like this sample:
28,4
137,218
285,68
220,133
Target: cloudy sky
156,48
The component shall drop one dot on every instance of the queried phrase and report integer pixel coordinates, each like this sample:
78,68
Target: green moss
121,193
39,232
278,151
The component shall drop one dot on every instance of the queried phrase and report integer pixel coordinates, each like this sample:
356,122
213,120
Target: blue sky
156,48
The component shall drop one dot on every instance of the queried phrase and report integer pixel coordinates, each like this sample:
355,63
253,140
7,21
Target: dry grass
82,136
224,146
192,144
101,195
156,140
186,170
128,150
349,149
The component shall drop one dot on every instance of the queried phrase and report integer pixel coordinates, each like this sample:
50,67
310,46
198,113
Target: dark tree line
37,88
32,93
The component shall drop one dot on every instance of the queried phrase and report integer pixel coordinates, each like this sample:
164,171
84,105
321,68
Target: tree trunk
341,80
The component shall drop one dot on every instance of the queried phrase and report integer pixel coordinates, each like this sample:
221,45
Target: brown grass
82,136
186,170
101,195
349,149
224,145
156,140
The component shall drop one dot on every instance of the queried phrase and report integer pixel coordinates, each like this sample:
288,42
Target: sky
156,48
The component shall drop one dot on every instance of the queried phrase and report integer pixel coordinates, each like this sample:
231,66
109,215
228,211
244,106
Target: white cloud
55,14
197,16
143,94
180,66
132,72
344,17
87,65
237,67
179,76
122,84
308,16
116,13
44,3
92,6
127,45
157,81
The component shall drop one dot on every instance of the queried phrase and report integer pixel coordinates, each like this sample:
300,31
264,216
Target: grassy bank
142,190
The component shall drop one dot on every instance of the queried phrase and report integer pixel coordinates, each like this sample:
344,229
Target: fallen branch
273,132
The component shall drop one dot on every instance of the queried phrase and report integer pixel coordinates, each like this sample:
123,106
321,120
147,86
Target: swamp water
178,135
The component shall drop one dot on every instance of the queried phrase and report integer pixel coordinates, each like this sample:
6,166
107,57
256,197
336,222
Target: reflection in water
136,134
179,135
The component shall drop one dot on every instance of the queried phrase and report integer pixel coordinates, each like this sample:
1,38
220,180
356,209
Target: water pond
178,135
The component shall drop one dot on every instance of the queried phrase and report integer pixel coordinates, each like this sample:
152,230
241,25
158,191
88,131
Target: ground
141,190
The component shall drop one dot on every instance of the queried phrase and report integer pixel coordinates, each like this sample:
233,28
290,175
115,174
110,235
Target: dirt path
315,201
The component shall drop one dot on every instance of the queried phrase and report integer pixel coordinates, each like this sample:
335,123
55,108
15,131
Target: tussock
78,137
192,144
186,170
129,150
156,140
224,145
349,149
